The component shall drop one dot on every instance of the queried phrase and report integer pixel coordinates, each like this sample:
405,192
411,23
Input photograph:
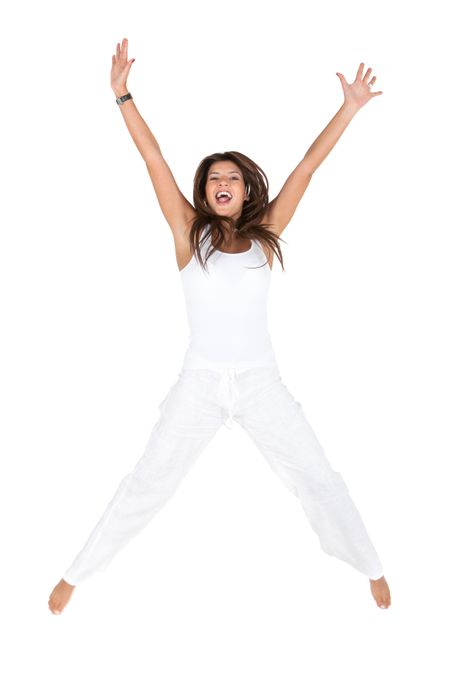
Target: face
225,176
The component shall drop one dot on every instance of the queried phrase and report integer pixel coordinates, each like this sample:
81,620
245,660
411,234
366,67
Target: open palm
120,65
358,93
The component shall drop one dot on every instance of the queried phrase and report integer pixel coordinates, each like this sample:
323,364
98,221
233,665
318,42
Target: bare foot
60,596
380,591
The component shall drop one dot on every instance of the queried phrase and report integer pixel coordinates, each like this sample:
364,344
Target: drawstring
233,395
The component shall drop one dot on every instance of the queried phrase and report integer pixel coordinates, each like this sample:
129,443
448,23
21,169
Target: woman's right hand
120,68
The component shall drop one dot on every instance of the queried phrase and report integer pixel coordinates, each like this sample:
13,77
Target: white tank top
227,310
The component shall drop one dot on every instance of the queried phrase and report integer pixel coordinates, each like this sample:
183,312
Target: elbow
308,168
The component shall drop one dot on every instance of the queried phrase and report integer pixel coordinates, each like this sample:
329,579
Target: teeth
220,194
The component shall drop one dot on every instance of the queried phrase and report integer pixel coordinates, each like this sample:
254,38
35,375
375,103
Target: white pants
193,411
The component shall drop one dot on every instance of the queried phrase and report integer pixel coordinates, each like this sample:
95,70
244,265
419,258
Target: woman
224,246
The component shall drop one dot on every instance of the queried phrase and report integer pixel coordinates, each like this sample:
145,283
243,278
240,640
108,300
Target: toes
54,610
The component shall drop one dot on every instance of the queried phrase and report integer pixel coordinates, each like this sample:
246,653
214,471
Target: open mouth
223,197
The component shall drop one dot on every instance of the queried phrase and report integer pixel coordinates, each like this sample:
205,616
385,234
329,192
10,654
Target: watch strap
121,99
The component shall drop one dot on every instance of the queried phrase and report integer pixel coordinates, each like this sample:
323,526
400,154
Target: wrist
120,91
350,108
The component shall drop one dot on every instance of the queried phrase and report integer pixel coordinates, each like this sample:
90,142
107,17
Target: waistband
193,361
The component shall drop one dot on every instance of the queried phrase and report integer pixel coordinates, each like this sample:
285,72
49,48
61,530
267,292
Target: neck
231,234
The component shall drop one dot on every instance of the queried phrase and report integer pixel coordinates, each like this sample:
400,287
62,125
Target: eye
235,177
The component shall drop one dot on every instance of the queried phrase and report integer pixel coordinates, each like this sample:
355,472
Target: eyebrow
233,171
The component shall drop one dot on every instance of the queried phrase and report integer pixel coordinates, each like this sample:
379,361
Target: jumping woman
225,246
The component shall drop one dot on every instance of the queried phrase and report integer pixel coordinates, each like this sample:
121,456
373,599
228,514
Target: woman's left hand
358,93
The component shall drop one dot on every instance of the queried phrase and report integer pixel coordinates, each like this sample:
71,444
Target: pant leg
189,418
276,423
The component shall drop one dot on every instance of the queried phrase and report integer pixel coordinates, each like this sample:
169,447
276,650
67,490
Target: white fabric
227,310
193,411
230,373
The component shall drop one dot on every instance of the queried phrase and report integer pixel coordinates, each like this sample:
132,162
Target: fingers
372,81
122,50
342,79
366,76
360,72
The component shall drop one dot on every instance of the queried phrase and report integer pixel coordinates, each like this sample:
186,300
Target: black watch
122,99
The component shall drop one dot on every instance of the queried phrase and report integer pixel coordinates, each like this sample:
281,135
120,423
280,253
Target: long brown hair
248,225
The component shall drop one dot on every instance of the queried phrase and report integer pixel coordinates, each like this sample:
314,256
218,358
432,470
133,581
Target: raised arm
177,210
282,208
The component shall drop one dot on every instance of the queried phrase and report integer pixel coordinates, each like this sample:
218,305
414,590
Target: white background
229,577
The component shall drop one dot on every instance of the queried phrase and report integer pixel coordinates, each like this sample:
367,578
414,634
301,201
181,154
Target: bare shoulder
181,232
